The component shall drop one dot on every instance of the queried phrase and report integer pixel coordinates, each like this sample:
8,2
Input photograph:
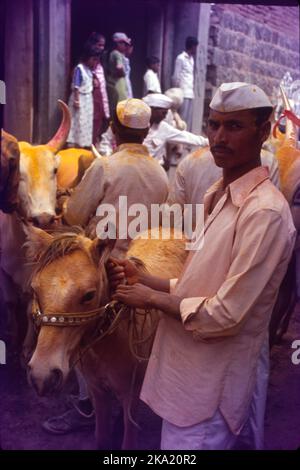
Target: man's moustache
220,148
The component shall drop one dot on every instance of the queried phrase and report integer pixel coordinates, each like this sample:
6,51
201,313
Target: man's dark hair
134,136
152,60
262,114
94,37
89,51
190,42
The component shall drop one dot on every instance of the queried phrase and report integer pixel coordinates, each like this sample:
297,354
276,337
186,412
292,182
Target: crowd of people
207,375
102,79
215,323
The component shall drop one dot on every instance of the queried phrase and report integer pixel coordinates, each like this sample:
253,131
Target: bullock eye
88,296
55,171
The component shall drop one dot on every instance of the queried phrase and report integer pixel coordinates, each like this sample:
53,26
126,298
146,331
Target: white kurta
163,133
151,82
184,74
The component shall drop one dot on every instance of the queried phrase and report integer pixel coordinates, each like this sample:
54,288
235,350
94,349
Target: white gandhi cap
237,96
158,100
133,113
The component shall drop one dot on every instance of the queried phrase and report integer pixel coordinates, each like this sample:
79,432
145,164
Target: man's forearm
167,303
155,282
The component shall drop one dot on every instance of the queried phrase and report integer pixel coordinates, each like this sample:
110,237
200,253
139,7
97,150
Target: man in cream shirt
208,371
160,134
130,171
198,171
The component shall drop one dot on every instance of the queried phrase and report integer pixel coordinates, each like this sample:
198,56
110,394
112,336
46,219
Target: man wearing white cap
130,171
207,374
161,132
116,74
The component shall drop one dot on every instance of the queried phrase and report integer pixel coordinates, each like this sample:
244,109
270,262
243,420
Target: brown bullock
71,277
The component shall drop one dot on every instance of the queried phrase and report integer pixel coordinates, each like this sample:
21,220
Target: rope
111,328
135,340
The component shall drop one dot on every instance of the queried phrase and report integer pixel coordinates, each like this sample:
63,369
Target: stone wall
255,43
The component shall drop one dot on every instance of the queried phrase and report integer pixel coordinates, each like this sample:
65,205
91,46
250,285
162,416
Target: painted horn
95,152
290,131
60,138
285,99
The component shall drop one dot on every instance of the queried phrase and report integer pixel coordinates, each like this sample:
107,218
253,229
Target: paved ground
22,411
282,425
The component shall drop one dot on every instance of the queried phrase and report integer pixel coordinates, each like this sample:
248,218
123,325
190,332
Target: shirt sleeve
177,72
176,136
118,60
262,245
173,283
77,78
87,195
147,82
177,194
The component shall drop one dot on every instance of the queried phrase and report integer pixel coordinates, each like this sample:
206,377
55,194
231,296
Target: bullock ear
37,241
101,250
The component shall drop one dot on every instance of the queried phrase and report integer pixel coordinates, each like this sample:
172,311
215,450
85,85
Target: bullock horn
290,128
60,138
285,99
95,152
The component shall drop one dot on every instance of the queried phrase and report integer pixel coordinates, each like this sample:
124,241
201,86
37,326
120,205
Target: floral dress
81,132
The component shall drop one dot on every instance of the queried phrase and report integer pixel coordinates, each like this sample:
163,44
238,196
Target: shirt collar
133,148
243,186
188,56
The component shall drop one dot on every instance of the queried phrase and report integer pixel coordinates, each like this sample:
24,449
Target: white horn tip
285,99
95,152
62,104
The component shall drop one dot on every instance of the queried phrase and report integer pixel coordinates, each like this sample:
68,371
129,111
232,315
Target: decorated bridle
66,318
108,317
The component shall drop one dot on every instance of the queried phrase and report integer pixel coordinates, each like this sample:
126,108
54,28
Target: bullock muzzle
45,385
43,220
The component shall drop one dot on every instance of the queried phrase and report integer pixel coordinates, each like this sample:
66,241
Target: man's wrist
143,278
168,303
151,301
158,300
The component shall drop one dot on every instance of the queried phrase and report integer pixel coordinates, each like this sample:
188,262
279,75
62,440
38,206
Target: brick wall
255,43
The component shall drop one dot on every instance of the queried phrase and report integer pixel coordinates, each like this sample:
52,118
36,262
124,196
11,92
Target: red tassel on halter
288,114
